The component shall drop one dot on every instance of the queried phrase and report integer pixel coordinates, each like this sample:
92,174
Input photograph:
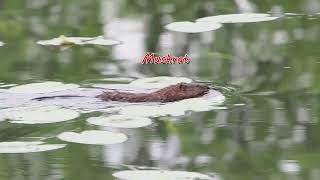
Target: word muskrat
171,93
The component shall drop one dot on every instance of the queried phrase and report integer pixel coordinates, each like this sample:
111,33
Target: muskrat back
171,93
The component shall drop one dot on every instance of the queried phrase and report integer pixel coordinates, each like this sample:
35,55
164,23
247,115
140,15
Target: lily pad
7,85
28,147
118,79
64,41
40,115
68,41
192,27
160,175
238,18
289,166
100,40
159,82
43,87
120,121
93,137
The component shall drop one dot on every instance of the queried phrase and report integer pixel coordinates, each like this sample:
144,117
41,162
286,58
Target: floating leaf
159,82
7,85
289,166
160,175
93,137
68,41
28,147
100,40
118,79
192,27
64,41
293,14
238,18
120,121
43,87
40,115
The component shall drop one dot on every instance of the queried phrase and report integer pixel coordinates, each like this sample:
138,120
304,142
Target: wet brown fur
171,93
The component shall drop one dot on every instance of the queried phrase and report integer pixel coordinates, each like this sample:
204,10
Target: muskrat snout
193,89
204,88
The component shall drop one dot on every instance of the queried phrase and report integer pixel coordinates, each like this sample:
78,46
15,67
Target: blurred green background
272,116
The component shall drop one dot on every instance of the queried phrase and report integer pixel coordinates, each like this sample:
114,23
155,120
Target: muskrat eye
183,87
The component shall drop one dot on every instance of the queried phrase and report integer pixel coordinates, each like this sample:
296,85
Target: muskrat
171,93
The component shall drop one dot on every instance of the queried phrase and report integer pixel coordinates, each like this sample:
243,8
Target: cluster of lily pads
23,111
122,115
26,112
203,24
20,107
48,114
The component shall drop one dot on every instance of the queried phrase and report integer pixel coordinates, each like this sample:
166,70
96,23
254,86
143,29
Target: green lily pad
28,147
238,18
192,27
160,175
120,121
69,41
93,137
40,115
289,167
43,87
159,82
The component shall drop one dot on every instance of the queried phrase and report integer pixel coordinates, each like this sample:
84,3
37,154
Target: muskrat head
183,91
192,89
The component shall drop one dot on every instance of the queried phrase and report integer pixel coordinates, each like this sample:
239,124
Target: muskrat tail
58,96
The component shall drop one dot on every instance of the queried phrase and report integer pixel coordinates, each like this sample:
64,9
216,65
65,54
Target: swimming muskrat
171,93
168,94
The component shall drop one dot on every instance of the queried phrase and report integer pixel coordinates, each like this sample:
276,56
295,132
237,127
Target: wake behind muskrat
171,93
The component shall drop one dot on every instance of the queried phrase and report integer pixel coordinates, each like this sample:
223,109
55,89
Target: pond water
261,121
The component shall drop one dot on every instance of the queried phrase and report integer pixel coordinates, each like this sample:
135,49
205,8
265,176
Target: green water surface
272,113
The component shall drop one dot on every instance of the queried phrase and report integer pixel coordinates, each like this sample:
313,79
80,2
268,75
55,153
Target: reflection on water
268,130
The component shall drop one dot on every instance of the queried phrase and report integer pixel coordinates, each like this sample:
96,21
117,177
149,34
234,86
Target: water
268,71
